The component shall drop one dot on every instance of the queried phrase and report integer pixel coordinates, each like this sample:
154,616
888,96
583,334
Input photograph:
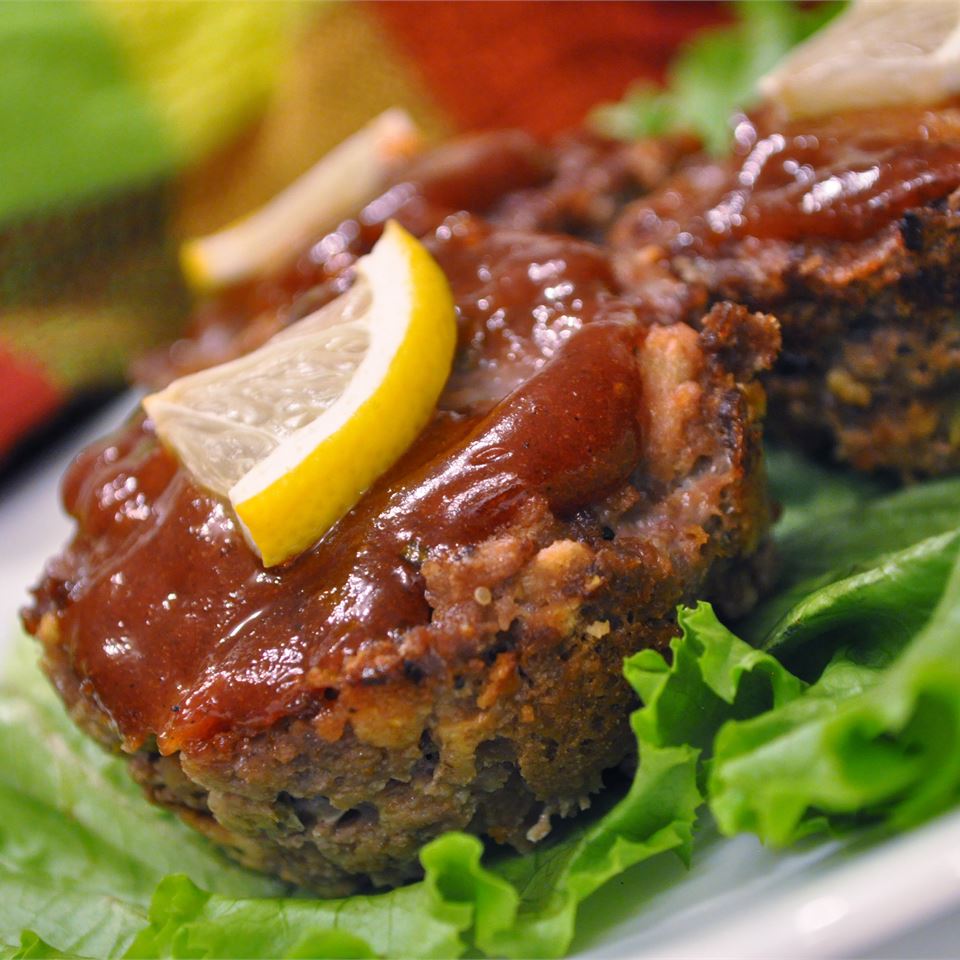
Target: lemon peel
294,432
339,184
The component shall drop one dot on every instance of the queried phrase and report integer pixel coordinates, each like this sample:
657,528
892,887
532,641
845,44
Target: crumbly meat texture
576,185
870,367
505,708
450,655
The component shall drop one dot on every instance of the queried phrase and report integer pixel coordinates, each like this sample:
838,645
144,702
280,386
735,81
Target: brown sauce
177,630
470,173
505,176
837,178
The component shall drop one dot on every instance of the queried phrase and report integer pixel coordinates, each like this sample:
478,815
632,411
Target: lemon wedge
294,432
876,53
338,185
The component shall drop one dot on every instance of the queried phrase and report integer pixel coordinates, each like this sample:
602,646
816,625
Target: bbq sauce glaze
835,178
470,173
178,631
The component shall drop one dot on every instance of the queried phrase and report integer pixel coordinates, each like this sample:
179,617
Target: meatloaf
576,185
846,228
449,655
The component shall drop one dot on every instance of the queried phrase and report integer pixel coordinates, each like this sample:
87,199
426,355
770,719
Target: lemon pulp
294,432
877,53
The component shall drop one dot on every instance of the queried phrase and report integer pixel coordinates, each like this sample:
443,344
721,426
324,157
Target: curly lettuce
876,737
88,868
843,710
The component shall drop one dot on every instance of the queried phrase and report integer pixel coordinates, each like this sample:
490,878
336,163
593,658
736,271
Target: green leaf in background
833,516
885,599
809,493
715,74
846,532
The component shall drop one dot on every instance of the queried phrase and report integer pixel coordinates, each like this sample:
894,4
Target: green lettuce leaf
867,730
877,737
809,493
81,851
844,532
186,921
869,611
544,888
31,947
513,906
91,869
712,677
714,74
518,906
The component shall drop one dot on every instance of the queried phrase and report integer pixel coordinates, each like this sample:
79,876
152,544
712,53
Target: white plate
893,897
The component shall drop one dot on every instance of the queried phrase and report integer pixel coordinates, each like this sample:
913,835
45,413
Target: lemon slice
877,53
337,186
294,432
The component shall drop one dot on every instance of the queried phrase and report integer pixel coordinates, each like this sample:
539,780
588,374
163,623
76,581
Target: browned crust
870,367
508,708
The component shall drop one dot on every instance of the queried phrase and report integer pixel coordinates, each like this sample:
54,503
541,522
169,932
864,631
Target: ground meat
449,655
846,229
575,185
591,180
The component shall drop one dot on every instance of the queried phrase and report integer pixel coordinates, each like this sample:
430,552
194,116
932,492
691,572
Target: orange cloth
83,289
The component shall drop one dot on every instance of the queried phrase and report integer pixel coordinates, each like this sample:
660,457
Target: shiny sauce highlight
838,178
179,633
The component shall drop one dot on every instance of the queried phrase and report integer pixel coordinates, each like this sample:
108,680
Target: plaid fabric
127,125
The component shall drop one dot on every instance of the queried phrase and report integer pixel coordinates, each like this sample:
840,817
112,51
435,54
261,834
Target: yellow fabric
240,97
341,71
207,67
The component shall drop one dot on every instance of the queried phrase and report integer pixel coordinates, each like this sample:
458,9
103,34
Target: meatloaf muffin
576,185
847,229
449,655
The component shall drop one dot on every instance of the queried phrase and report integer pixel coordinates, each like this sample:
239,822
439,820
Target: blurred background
129,125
